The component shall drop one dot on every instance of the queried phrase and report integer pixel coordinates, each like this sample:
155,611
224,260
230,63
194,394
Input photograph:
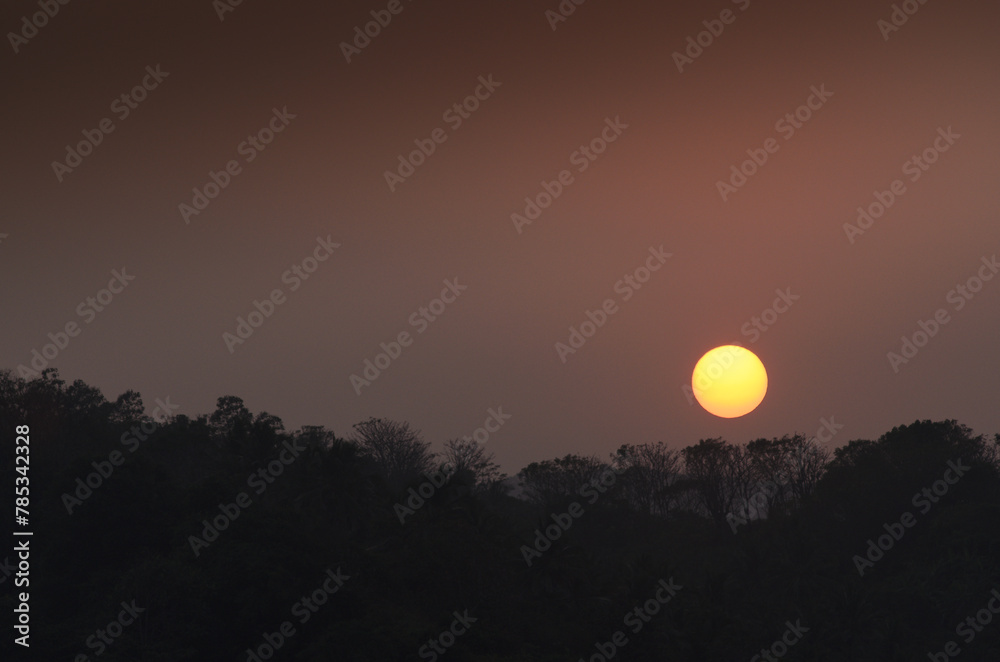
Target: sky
205,162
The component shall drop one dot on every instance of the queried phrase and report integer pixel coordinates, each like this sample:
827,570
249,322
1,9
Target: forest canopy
229,537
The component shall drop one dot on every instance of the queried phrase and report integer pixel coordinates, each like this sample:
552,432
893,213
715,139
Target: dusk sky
218,82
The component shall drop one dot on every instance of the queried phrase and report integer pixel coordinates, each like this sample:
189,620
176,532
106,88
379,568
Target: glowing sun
729,381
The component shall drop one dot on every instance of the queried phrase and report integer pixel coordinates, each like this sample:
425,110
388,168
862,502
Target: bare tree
549,481
808,464
648,474
741,479
770,460
399,451
785,471
717,475
470,456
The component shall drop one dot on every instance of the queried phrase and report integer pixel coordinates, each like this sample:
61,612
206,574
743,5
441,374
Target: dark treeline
228,538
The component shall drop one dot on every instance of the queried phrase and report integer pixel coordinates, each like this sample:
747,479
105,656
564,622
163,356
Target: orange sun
729,381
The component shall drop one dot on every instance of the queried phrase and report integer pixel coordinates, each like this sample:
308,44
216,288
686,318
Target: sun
729,381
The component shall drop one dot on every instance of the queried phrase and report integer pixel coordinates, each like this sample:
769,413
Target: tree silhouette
551,481
469,456
649,474
717,474
399,451
333,503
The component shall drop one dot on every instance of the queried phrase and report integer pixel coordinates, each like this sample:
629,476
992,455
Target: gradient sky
323,175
